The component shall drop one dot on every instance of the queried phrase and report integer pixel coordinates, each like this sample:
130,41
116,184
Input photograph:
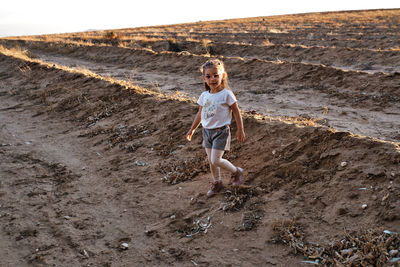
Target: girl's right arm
195,124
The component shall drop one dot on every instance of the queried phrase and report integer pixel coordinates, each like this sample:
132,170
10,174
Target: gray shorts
219,138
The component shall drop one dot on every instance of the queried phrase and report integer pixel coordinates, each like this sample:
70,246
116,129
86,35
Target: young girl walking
217,104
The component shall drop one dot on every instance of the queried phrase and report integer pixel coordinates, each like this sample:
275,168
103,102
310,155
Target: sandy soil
95,171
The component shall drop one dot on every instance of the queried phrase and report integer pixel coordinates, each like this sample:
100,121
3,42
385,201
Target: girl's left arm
240,135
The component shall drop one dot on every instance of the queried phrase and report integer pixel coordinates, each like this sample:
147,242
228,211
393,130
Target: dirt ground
95,169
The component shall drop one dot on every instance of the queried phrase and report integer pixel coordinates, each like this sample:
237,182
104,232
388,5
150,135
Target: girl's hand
240,136
190,134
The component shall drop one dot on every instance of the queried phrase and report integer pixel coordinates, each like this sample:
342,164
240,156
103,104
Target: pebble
124,245
385,197
343,164
364,206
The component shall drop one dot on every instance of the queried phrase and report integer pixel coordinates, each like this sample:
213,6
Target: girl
215,113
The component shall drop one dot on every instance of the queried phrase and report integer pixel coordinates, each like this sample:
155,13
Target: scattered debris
394,260
364,248
179,171
390,232
236,198
316,262
199,225
250,219
191,224
140,163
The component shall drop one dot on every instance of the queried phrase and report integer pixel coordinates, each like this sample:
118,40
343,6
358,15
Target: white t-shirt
216,112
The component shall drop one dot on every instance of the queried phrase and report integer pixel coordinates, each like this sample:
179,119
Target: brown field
95,169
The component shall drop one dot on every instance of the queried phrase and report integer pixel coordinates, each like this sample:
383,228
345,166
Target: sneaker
215,188
237,177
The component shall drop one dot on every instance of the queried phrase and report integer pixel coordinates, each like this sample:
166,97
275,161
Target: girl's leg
217,160
215,171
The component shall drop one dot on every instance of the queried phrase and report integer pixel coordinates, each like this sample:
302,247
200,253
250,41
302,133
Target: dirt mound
360,102
126,187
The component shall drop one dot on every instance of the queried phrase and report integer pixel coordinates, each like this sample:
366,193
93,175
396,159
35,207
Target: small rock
364,206
124,246
385,197
343,164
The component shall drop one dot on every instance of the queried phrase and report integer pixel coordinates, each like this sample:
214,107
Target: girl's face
213,77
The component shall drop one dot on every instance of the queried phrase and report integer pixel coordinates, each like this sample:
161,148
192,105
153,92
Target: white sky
26,17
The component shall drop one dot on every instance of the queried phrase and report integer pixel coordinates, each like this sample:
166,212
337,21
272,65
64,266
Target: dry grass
22,54
362,248
17,52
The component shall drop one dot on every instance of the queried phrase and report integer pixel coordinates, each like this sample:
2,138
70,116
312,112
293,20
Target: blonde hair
218,64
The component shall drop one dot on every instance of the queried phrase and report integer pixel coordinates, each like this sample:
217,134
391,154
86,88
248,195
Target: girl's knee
215,162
